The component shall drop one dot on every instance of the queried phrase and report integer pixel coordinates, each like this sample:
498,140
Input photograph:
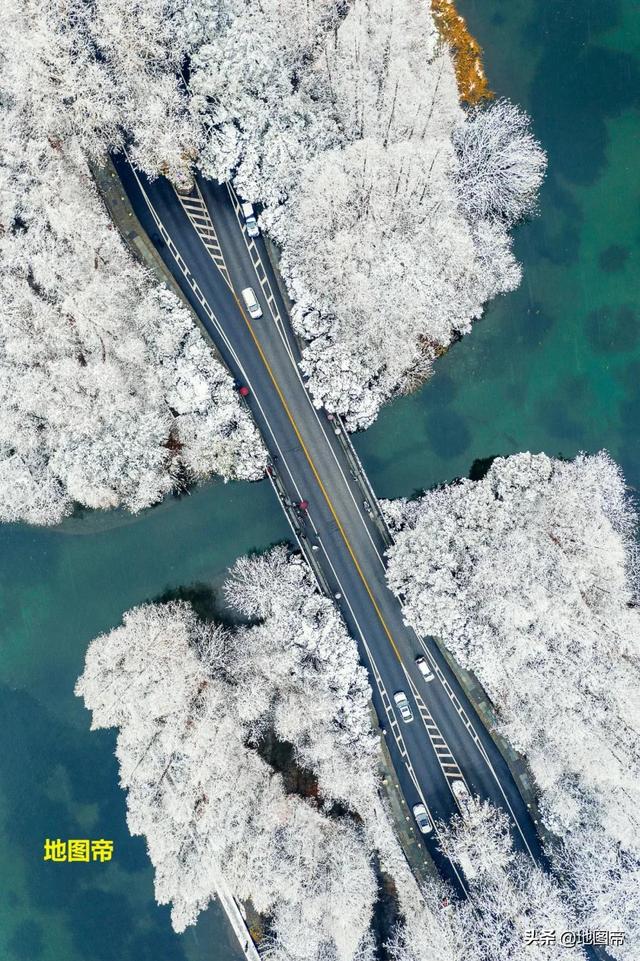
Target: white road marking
194,286
256,260
393,723
474,735
198,214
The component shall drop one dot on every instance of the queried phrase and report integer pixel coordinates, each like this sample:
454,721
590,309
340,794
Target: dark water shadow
480,467
613,329
209,604
27,941
578,84
38,752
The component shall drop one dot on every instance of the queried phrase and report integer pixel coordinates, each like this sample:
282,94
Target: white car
251,303
424,668
422,819
462,796
250,221
403,706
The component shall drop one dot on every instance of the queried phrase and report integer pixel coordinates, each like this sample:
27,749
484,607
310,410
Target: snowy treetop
110,395
391,204
191,701
529,576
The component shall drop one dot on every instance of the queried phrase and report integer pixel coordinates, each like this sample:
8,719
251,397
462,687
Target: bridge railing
360,476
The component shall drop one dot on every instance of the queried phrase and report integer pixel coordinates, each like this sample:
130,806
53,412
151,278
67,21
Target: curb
420,862
517,763
131,230
339,429
135,238
114,197
237,919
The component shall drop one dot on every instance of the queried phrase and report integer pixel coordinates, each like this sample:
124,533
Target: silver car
403,706
424,668
251,303
250,221
422,819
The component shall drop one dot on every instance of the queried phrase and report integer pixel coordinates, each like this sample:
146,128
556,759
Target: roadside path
202,243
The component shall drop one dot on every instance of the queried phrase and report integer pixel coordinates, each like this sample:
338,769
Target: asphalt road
205,246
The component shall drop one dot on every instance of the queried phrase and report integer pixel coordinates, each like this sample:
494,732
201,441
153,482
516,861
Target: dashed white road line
256,260
393,723
194,286
474,736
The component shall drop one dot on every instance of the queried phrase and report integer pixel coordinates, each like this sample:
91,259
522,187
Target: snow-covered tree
383,265
501,164
384,271
390,204
529,577
604,879
508,897
433,927
509,894
267,111
314,694
207,803
101,73
193,700
110,395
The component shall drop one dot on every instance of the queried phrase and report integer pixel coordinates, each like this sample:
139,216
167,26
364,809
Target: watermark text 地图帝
77,849
571,939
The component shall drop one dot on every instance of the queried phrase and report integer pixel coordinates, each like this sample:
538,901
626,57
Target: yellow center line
315,474
304,448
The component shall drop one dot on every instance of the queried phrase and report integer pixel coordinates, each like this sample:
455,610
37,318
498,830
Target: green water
554,366
59,589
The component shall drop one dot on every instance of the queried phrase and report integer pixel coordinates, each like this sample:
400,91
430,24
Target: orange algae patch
467,52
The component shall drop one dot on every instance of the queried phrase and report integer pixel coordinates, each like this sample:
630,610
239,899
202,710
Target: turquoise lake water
554,366
59,589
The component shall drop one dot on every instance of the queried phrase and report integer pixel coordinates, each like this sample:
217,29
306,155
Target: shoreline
466,52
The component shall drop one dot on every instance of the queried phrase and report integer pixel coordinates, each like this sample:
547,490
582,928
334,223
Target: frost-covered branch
191,700
109,394
529,577
194,701
389,202
509,894
500,163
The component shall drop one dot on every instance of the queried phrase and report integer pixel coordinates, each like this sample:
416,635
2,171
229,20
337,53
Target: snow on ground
391,203
193,701
529,576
